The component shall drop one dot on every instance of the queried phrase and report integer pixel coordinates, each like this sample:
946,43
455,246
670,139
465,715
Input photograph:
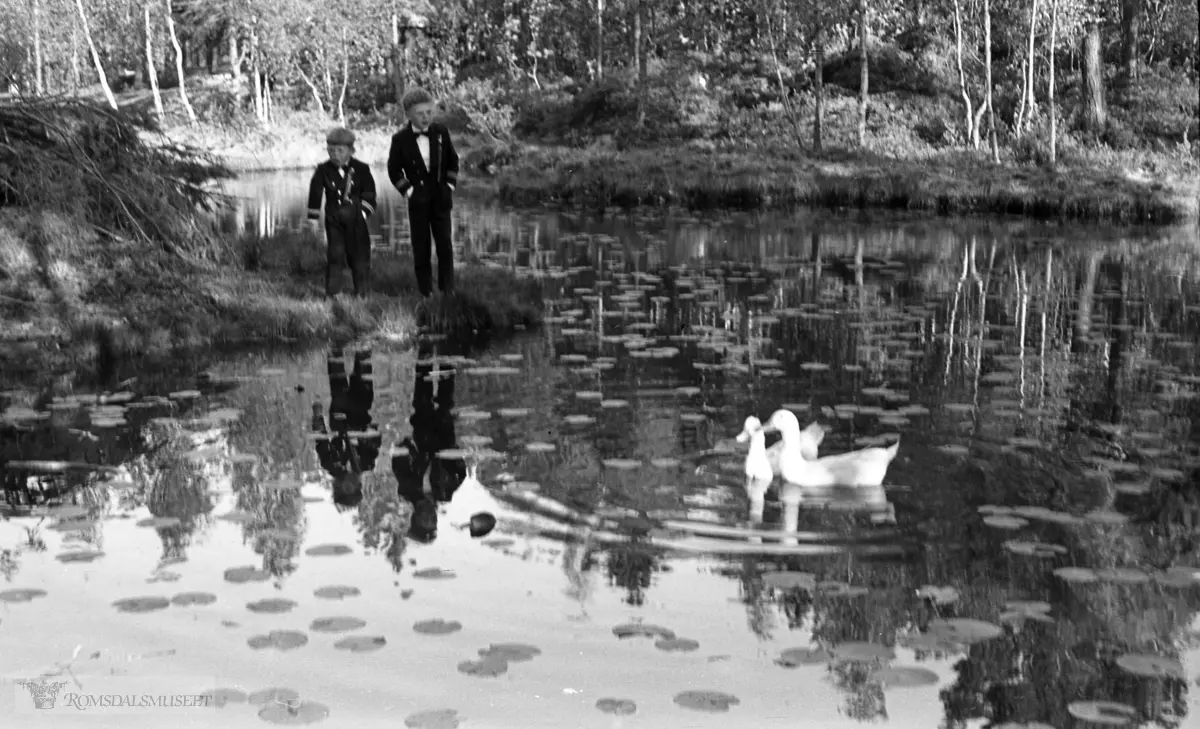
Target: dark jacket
328,181
350,404
432,431
407,169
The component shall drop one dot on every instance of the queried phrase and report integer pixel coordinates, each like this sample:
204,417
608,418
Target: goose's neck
758,444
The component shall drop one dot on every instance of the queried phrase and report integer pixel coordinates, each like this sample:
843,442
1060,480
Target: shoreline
957,183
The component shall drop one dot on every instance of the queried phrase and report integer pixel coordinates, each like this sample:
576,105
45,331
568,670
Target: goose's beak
743,436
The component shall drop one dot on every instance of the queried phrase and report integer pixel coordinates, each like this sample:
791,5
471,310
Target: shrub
483,107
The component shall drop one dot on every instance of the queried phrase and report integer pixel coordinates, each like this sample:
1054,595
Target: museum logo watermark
165,695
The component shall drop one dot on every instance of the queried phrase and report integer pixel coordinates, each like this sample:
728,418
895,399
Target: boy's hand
314,226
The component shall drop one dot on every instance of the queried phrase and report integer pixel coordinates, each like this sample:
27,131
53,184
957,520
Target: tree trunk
987,52
341,104
396,57
1050,88
39,62
179,68
151,73
599,40
969,132
316,93
1028,100
87,34
235,56
819,80
1095,112
639,58
1131,21
75,75
863,73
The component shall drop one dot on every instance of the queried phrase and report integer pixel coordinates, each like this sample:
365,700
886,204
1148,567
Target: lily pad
141,604
790,580
1004,521
498,542
246,574
811,656
79,557
711,701
964,630
437,626
905,677
1150,666
832,588
1123,575
339,624
24,594
511,652
1079,575
677,645
282,640
1108,713
486,667
647,630
273,605
433,719
434,573
616,707
938,595
361,643
301,712
160,522
327,550
337,592
273,694
621,464
857,651
1034,549
219,697
188,599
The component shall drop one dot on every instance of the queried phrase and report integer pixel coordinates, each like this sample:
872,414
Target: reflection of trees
277,528
631,565
381,521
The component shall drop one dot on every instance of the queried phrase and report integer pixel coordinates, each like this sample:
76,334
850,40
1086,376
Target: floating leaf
540,447
1123,575
141,604
433,719
82,556
677,645
246,574
622,464
832,588
711,701
272,695
616,707
905,677
188,599
303,712
1034,549
282,640
219,697
964,630
361,643
647,630
437,626
1108,713
1080,575
160,522
938,595
434,573
790,580
24,594
272,605
1150,666
511,652
327,550
339,624
337,592
793,657
487,667
1000,521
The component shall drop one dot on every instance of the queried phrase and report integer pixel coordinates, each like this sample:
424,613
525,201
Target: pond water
1033,549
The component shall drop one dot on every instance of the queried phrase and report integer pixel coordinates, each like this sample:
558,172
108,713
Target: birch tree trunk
75,75
969,132
87,34
39,62
341,104
151,72
1050,90
819,111
863,73
599,39
987,50
179,70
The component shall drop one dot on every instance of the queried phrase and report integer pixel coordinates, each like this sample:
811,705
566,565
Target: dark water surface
1035,548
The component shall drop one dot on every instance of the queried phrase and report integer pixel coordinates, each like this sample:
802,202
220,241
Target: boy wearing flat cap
423,166
350,198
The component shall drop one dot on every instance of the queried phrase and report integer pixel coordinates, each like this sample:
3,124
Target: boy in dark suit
349,191
349,451
423,166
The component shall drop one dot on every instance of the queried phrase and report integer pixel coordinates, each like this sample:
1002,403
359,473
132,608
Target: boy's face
421,115
340,153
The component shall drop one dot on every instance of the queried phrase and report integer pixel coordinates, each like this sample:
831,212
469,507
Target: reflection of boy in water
422,478
350,400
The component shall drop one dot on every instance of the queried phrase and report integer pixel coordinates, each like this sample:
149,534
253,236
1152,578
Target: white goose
866,467
470,498
763,464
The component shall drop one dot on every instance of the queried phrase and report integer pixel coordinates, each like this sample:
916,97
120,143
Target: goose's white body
470,498
866,467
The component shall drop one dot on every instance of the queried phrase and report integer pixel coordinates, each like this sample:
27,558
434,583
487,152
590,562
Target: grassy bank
949,184
71,300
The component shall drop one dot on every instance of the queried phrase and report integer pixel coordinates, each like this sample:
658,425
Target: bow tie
421,134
